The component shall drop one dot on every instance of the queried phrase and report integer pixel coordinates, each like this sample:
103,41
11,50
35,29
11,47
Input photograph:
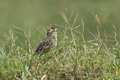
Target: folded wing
44,46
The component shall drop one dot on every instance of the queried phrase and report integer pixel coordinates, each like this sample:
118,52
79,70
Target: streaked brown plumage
49,42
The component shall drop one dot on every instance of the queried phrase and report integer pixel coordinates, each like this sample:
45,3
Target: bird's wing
44,46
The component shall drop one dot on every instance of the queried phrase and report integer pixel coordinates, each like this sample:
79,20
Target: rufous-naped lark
49,42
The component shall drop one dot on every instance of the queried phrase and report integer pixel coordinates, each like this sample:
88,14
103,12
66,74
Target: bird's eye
53,28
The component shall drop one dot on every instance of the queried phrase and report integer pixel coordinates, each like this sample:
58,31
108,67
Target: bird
48,43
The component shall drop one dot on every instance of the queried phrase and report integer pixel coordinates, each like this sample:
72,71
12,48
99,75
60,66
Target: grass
73,59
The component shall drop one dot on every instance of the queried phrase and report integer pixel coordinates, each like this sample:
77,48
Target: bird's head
51,31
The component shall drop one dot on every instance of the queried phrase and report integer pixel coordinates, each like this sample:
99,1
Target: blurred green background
33,13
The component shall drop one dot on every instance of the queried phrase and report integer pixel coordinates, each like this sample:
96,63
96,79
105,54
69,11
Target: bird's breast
55,41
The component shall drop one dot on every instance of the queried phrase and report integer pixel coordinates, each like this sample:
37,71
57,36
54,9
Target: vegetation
73,59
